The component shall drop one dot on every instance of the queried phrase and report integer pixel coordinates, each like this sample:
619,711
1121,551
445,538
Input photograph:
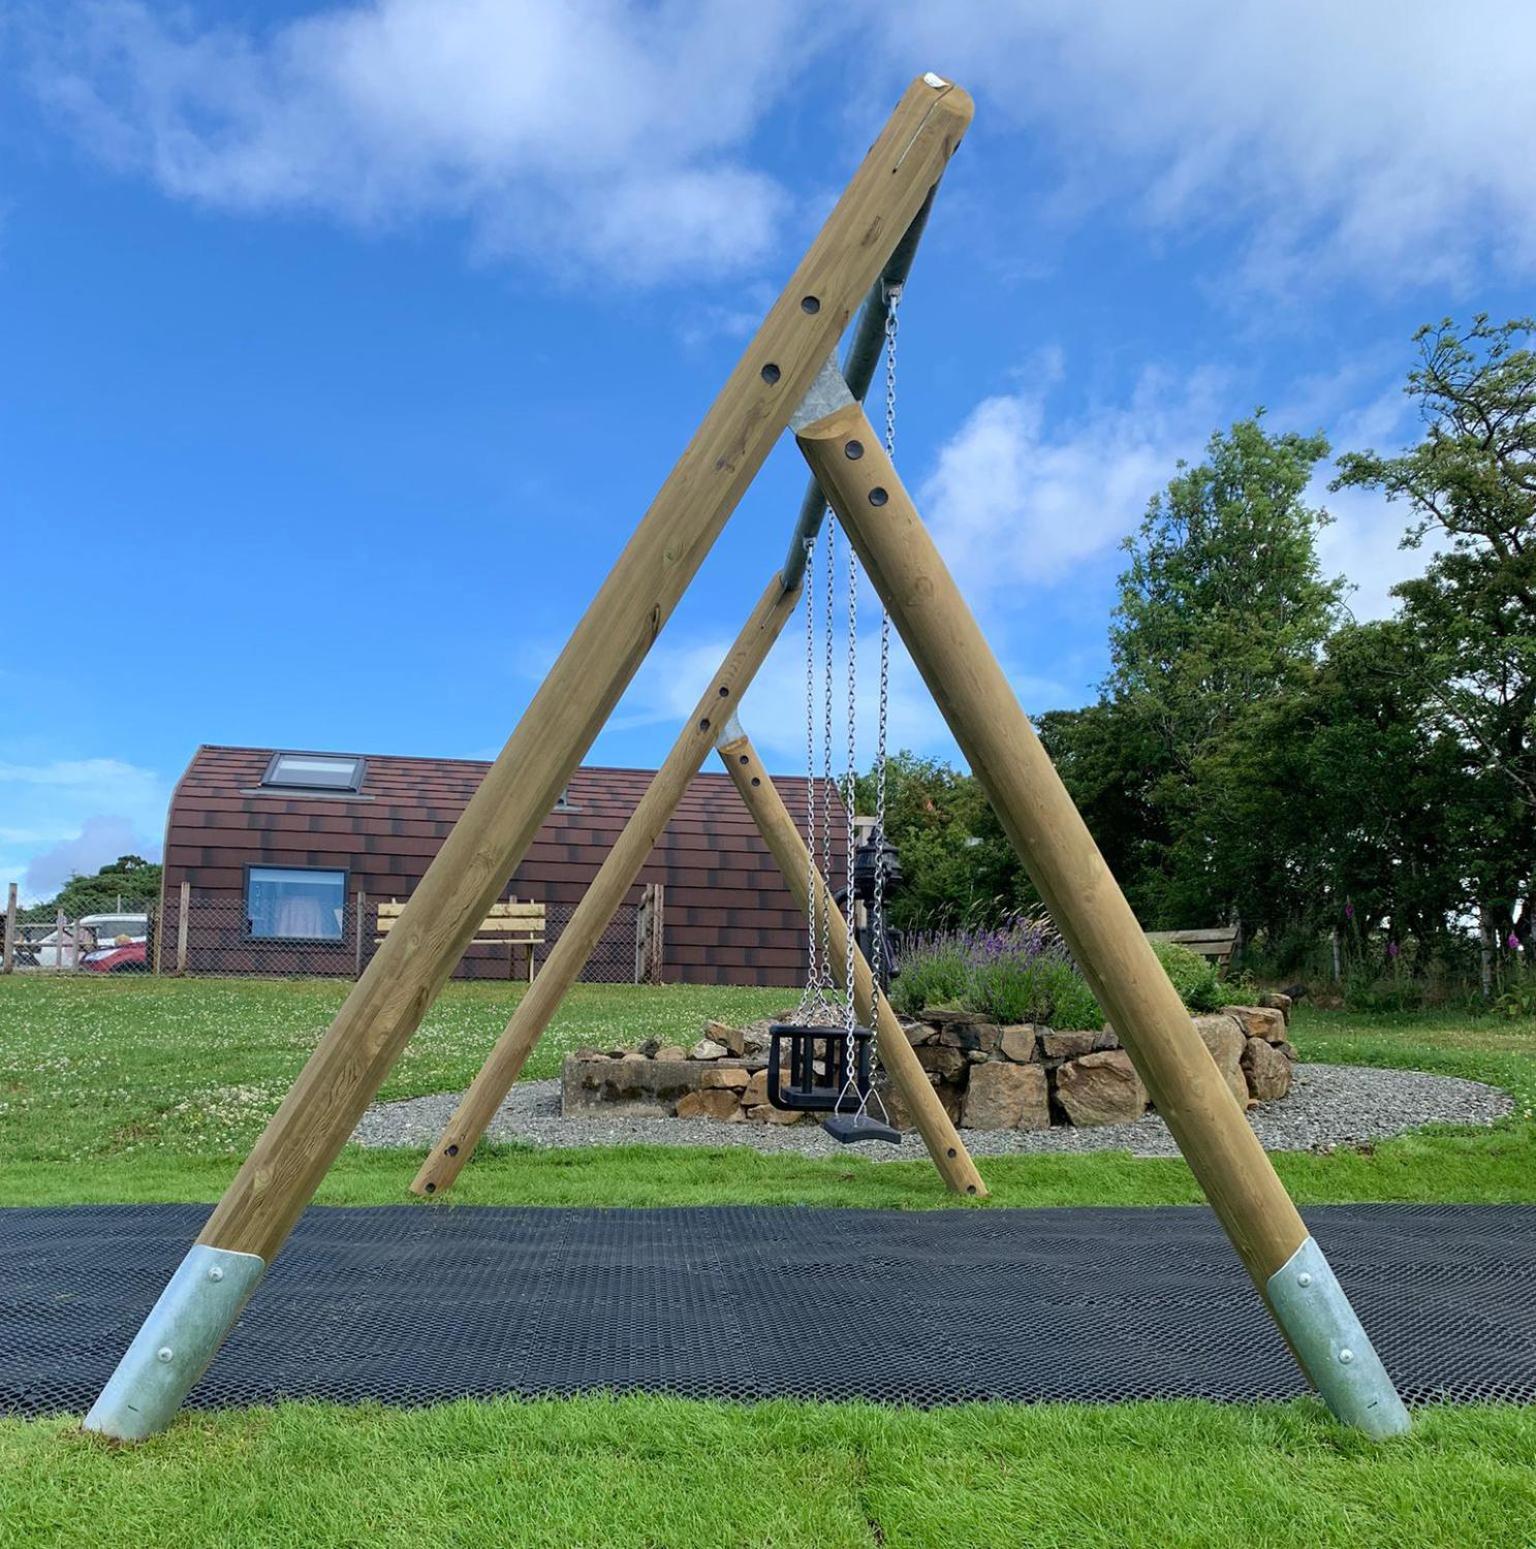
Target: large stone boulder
941,1063
642,1088
1267,1022
734,1039
1003,1095
1069,1046
971,1037
1225,1039
1019,1043
717,1103
1100,1088
1267,1069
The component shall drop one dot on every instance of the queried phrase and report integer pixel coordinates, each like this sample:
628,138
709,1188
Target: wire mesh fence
199,934
104,941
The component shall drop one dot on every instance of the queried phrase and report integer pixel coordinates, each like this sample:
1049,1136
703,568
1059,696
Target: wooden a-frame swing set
788,378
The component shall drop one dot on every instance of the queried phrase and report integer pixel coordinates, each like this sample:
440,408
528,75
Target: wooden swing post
782,836
253,1219
848,461
615,877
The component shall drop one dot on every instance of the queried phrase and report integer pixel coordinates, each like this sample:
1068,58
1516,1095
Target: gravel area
1329,1105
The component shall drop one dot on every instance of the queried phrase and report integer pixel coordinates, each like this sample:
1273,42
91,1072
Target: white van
66,950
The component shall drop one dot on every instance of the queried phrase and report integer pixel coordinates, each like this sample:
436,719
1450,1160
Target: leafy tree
130,878
1111,760
1471,486
957,865
1223,614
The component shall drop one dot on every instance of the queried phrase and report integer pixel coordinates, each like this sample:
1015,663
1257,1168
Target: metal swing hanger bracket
853,380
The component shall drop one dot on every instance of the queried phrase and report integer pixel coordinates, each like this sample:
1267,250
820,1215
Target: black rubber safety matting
411,1305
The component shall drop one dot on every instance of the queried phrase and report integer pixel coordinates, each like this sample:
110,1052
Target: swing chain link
816,1007
812,899
826,763
877,906
877,832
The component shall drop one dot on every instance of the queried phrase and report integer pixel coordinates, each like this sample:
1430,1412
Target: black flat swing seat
851,1128
795,1049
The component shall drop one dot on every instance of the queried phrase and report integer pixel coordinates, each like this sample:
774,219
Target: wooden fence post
648,934
8,951
183,910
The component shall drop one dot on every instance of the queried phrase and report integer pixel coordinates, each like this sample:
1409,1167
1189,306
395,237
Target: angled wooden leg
846,457
782,837
385,1007
614,879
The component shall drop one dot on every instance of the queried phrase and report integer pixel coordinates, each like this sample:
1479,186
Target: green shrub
1072,1002
1020,972
1194,977
1023,973
937,976
1365,992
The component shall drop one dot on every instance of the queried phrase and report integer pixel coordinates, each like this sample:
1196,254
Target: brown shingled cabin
278,847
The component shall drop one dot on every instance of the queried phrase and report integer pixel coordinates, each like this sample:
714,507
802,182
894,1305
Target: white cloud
585,132
1018,499
673,677
1364,543
670,682
1377,137
75,815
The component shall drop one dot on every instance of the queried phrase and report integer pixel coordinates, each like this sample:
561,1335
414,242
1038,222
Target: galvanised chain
812,896
826,764
850,802
877,836
877,908
815,1009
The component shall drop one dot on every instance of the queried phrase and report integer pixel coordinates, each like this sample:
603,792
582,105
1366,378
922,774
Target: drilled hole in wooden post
877,496
743,759
810,304
770,373
756,781
853,451
725,693
704,724
431,1188
453,1150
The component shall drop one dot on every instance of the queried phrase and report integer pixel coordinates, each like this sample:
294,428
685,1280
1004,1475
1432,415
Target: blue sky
342,345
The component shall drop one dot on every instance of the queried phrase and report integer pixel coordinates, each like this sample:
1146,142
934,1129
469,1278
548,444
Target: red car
132,957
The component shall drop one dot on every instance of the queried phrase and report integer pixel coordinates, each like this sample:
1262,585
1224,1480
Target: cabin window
314,772
294,903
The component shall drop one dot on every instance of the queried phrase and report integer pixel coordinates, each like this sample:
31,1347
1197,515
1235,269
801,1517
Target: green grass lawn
647,1473
127,1090
124,1090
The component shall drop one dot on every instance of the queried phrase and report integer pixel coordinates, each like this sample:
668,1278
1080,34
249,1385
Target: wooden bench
511,924
1218,943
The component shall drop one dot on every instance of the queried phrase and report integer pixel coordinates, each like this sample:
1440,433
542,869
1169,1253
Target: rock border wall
988,1075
